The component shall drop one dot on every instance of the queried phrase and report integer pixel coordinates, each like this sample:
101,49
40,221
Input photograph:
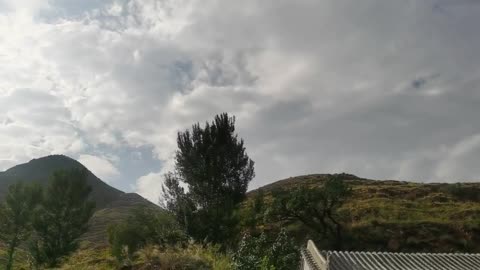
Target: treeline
205,192
46,222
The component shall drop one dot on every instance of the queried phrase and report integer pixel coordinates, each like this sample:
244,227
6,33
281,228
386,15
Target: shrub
125,239
463,192
146,226
259,253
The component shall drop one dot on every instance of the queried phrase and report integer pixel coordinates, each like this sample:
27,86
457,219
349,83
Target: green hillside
112,205
397,216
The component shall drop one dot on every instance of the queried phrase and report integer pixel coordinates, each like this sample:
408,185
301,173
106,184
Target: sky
382,89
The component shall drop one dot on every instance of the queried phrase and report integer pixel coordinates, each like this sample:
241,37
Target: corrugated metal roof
342,260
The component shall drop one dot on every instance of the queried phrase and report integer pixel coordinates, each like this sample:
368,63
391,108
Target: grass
21,259
194,257
398,216
90,259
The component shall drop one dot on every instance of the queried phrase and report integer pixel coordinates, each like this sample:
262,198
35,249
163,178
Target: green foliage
251,252
16,217
317,208
212,162
62,217
258,253
284,255
251,214
146,226
125,239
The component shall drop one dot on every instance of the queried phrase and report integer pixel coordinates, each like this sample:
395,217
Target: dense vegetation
209,221
49,223
388,215
16,217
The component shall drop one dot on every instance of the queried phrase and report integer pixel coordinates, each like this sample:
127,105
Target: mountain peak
41,169
57,161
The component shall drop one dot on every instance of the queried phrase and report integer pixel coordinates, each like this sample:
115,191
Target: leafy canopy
16,216
62,218
316,208
211,162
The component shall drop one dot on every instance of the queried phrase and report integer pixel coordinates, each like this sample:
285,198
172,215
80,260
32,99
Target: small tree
316,208
62,217
15,216
211,161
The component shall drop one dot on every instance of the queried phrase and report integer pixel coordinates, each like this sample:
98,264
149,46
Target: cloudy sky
378,88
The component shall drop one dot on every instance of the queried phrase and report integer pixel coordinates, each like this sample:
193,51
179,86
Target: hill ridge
112,205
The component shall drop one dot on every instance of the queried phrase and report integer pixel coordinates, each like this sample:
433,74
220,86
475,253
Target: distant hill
40,170
112,205
387,215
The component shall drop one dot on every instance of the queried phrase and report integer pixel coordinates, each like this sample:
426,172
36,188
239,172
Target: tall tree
316,208
211,162
62,217
15,216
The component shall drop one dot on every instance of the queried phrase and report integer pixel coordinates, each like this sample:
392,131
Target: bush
146,226
463,192
259,253
125,239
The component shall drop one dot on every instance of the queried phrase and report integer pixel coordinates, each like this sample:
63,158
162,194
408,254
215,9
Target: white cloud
376,88
149,186
101,167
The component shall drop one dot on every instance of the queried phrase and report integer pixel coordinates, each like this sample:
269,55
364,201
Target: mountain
112,205
40,170
388,215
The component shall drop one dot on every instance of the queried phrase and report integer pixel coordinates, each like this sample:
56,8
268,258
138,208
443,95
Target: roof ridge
399,253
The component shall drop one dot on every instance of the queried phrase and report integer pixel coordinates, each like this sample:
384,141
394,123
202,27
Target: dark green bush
463,192
145,226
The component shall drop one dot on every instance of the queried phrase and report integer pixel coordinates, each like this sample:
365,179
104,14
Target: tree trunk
338,228
11,251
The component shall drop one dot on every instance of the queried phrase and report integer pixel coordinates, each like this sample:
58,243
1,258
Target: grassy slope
401,216
115,212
